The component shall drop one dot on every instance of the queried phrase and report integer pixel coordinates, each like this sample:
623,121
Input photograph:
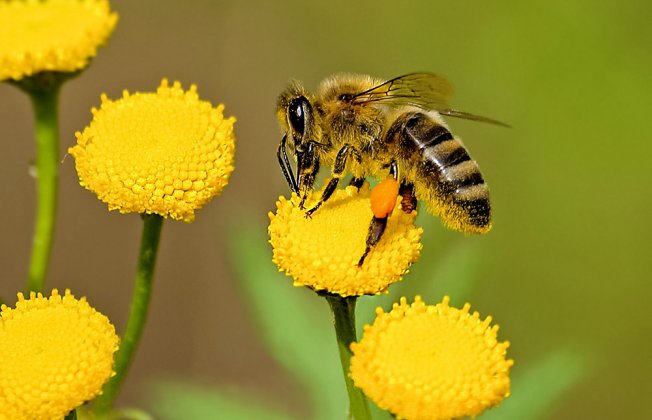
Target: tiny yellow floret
431,362
51,35
167,153
322,252
55,354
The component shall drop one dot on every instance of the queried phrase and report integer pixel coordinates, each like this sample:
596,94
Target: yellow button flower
322,252
167,153
55,354
431,361
51,35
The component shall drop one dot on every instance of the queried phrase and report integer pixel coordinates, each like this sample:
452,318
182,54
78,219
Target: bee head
297,117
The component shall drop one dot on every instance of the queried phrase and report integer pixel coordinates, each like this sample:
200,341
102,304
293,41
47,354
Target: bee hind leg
376,229
408,199
382,205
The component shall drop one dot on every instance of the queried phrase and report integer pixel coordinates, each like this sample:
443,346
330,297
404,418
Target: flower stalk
45,105
343,309
152,226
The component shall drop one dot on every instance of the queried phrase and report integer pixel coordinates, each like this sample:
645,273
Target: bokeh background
566,269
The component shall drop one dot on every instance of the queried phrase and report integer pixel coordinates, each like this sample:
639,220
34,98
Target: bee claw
310,212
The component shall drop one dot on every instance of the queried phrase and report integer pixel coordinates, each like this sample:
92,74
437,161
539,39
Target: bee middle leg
357,182
338,171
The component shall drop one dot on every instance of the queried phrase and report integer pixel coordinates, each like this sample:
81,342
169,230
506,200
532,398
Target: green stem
44,103
343,309
138,314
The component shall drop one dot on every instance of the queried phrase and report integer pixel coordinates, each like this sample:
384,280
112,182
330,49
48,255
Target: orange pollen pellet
383,197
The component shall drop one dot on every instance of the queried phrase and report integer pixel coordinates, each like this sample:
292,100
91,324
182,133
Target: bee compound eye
297,114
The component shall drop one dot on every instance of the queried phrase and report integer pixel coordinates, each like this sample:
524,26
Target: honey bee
373,128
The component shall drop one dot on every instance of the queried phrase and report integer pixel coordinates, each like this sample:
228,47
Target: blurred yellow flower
431,361
55,354
167,153
51,35
322,252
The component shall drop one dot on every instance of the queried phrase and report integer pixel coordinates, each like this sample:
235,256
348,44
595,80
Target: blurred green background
565,271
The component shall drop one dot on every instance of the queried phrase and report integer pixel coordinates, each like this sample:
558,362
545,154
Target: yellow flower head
166,153
51,35
322,252
431,361
55,354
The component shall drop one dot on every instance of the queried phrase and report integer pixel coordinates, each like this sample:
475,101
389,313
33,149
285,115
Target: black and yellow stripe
444,165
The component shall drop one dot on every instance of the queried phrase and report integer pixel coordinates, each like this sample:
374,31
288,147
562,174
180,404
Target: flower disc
167,153
56,353
431,362
322,252
51,35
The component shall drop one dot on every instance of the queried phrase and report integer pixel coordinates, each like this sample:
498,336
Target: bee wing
465,115
424,90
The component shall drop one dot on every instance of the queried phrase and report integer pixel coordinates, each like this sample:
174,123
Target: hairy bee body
368,127
443,173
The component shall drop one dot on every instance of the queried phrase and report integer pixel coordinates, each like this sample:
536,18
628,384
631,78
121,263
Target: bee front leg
308,180
307,168
338,171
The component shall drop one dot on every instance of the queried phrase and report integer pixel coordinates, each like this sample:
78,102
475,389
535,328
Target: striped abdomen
445,175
